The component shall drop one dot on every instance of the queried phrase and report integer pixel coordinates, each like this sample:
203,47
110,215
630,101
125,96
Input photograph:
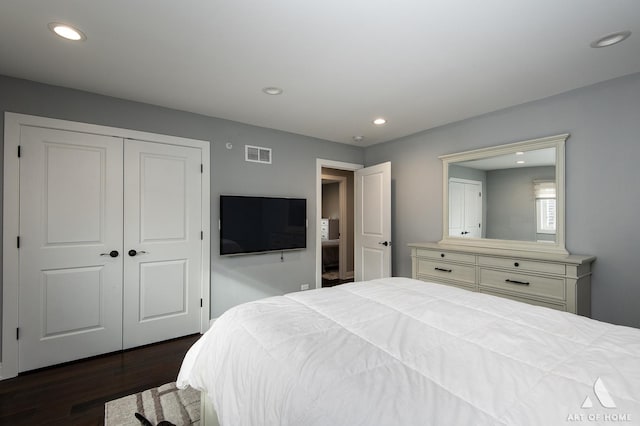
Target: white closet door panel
163,289
162,224
76,216
163,198
70,213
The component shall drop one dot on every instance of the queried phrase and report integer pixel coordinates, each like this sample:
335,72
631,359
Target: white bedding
403,352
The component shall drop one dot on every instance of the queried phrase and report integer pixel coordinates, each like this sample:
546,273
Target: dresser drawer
449,271
552,288
524,265
446,256
524,300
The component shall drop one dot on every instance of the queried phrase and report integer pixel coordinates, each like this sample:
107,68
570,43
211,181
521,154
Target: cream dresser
556,281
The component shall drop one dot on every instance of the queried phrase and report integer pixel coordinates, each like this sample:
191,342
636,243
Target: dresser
556,281
329,229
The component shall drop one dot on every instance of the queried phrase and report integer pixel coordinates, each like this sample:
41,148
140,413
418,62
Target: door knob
132,252
385,243
112,253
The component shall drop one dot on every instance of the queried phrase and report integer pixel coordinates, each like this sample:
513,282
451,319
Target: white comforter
403,352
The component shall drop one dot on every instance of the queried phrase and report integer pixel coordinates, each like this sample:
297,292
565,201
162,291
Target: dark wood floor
75,393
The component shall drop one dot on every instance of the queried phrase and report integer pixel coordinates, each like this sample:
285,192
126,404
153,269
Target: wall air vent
257,154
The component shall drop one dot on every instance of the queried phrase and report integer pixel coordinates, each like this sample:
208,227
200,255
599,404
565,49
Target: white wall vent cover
257,154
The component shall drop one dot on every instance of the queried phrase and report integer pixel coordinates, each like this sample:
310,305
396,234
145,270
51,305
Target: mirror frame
557,142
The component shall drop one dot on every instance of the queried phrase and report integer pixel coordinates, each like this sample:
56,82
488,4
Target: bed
403,352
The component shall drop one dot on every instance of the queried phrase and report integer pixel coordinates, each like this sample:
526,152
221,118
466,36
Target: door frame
11,218
331,164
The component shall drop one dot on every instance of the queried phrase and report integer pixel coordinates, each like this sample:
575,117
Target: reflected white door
473,210
70,303
465,208
373,222
456,208
163,246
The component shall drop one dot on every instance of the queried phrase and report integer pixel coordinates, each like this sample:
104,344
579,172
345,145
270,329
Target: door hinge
202,235
18,241
18,333
201,303
19,151
201,168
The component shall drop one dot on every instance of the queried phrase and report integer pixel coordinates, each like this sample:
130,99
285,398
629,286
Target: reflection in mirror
508,196
517,202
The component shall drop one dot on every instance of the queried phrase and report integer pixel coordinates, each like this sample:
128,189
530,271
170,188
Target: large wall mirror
508,196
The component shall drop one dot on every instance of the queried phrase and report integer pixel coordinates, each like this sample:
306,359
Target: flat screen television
262,224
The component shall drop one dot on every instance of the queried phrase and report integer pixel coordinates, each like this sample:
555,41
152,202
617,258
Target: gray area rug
166,402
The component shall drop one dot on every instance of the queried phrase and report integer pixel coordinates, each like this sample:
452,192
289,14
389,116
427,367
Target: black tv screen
261,224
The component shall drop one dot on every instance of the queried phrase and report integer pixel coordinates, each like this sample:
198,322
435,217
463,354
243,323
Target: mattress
403,352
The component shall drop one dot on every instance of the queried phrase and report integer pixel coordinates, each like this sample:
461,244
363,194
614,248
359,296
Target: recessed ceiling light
520,162
611,39
67,32
358,138
519,153
379,121
272,90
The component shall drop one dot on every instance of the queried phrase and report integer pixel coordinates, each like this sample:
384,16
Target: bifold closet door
162,242
70,303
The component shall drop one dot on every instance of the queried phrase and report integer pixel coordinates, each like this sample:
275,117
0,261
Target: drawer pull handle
443,269
516,282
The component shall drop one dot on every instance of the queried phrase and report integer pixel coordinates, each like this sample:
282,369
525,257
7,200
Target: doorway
371,218
337,226
338,167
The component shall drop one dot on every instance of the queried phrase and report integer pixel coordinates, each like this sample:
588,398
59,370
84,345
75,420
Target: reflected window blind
545,192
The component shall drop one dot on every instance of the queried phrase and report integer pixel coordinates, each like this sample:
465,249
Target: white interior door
163,246
373,222
456,208
465,208
70,291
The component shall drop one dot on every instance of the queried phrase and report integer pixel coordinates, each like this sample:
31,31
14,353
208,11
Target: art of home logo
606,401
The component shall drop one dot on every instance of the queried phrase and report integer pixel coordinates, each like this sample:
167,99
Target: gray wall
602,175
233,279
511,202
603,197
331,200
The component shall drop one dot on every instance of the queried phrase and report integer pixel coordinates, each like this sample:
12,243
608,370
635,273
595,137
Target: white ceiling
534,158
341,63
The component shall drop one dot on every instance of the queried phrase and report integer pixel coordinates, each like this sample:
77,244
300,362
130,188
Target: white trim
320,163
11,218
557,142
342,193
475,182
